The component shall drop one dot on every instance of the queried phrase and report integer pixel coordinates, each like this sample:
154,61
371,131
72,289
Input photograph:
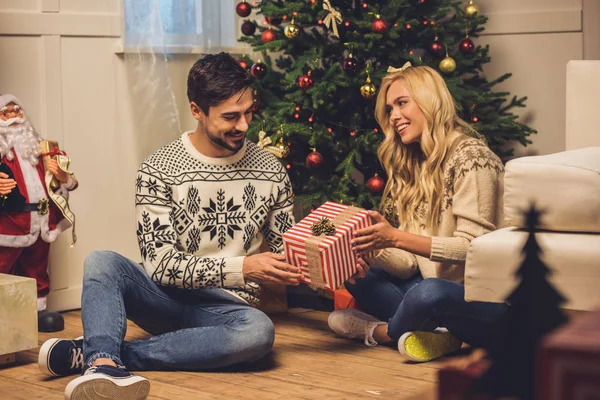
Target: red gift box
325,261
343,299
458,383
568,361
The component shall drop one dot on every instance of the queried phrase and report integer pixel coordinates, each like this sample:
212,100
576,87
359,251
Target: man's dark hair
214,78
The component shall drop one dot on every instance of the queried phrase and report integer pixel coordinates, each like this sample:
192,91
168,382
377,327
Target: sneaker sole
44,354
93,387
43,361
427,346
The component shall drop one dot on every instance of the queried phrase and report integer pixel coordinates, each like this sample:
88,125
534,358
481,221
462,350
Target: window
181,25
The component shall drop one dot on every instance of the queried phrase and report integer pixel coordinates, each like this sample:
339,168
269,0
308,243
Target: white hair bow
404,67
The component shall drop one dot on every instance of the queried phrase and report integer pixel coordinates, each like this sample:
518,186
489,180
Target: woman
445,188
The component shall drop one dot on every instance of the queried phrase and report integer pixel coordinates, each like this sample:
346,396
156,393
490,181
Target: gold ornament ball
471,9
291,31
448,65
368,90
285,150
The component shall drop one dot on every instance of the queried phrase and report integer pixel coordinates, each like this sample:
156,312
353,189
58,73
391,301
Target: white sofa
567,186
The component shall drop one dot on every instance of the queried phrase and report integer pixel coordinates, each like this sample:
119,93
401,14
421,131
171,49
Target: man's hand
6,185
381,235
58,173
270,268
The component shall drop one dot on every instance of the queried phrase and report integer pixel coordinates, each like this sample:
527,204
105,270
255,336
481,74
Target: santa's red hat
8,98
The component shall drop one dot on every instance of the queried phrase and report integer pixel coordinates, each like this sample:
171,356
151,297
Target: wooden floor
307,362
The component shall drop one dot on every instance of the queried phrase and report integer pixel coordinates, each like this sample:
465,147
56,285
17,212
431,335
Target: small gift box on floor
320,244
343,299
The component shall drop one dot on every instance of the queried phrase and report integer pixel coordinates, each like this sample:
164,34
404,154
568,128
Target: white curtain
155,30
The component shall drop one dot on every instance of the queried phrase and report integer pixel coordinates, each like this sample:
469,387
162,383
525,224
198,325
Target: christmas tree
534,311
317,79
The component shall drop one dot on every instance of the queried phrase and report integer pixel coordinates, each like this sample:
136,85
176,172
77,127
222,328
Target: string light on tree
471,9
243,9
314,159
243,64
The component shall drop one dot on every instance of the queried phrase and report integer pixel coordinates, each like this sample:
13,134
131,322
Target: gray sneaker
354,324
107,382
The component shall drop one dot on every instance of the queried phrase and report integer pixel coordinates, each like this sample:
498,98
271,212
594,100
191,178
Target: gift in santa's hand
320,244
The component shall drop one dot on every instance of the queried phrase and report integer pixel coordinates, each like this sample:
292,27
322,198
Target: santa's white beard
23,138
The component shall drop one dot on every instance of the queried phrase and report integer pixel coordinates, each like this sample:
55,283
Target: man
30,218
204,204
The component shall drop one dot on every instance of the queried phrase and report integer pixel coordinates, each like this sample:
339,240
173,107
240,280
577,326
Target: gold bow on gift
323,226
405,66
265,142
333,18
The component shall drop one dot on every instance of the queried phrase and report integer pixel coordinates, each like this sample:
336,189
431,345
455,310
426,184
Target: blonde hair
415,171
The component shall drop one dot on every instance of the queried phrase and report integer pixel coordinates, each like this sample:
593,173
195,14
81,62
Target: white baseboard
65,299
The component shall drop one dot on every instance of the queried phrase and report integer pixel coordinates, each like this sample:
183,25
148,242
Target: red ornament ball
273,20
306,81
258,70
314,159
243,9
466,46
379,26
350,65
268,36
376,184
248,28
437,48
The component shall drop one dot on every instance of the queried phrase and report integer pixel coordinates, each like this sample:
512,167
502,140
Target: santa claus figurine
32,214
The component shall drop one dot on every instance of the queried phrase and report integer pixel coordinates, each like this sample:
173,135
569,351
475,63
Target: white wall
534,40
60,58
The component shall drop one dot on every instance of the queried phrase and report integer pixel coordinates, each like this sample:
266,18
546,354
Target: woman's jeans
419,304
198,329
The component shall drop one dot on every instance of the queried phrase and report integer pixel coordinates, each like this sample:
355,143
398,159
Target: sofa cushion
574,259
566,185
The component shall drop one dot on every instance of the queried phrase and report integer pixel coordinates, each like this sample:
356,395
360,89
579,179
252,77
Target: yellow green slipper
426,346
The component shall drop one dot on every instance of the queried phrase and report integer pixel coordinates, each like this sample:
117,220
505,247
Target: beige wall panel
583,118
538,63
95,121
28,5
91,6
531,16
22,74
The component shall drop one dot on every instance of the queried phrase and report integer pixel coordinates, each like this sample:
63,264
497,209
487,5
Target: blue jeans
419,304
199,329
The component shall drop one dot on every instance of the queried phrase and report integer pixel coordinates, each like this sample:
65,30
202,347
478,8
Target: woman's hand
381,235
362,267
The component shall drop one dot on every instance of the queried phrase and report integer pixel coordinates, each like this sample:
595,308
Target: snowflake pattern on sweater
197,217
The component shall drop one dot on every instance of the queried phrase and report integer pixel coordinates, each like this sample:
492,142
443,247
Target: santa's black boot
50,321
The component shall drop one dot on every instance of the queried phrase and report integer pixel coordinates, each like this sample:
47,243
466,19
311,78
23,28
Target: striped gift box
326,261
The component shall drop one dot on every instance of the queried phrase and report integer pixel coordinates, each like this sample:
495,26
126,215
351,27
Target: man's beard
23,138
220,142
